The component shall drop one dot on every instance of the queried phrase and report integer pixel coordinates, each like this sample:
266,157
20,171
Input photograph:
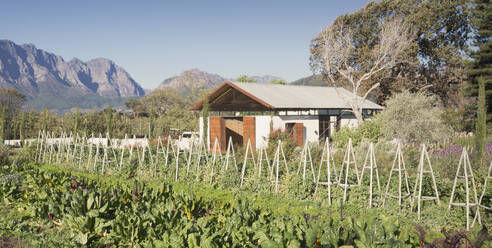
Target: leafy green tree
434,60
278,81
246,79
11,100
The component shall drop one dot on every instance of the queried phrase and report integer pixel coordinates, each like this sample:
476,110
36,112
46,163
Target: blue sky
154,40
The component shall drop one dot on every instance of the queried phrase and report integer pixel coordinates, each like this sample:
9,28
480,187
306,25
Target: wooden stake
348,160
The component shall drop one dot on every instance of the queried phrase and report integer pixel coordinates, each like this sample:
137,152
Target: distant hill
313,80
49,81
194,79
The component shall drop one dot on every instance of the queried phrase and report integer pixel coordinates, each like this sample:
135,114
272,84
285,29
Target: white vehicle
186,139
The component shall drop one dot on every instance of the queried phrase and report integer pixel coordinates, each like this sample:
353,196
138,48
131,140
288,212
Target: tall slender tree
76,121
2,124
109,120
152,120
480,72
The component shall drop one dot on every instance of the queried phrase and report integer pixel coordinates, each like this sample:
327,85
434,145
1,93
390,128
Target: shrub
413,118
369,129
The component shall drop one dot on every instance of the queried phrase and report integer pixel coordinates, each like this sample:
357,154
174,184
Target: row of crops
61,205
313,172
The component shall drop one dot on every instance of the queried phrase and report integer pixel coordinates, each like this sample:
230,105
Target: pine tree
482,57
481,71
481,128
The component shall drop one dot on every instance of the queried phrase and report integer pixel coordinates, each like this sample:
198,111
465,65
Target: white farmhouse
243,111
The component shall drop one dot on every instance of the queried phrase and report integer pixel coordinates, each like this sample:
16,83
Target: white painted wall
262,129
200,126
310,123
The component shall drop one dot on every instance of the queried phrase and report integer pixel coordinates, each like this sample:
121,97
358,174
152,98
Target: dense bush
369,130
413,118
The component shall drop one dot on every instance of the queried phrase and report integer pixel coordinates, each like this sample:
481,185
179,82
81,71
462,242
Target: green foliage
246,79
414,118
278,81
481,128
369,130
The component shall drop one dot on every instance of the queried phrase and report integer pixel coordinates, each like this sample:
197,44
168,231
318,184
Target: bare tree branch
340,51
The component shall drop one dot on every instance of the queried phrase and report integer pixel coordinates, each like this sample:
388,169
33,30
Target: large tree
434,61
339,46
11,101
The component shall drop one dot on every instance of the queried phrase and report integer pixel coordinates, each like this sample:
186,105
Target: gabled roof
288,97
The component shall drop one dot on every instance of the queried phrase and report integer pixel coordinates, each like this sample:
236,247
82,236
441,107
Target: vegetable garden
72,192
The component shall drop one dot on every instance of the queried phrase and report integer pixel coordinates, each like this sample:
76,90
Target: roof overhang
224,90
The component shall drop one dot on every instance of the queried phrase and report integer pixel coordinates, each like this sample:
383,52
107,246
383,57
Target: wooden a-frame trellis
327,160
276,164
248,156
480,205
230,155
305,159
263,156
464,166
417,190
216,158
345,171
399,161
371,165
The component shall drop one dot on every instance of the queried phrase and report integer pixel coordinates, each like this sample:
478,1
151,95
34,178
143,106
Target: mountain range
47,80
